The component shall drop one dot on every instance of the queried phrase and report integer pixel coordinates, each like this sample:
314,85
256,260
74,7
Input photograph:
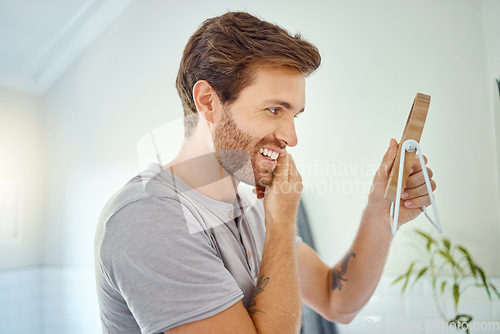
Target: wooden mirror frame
413,130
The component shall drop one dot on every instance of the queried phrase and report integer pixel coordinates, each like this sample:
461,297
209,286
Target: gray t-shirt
167,255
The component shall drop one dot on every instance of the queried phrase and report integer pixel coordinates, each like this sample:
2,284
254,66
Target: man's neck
197,166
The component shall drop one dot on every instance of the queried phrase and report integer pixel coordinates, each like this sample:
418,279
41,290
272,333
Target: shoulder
146,212
143,186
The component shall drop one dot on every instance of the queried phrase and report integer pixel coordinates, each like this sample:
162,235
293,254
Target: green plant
449,268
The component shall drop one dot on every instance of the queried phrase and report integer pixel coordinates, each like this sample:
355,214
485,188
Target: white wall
491,24
376,56
22,158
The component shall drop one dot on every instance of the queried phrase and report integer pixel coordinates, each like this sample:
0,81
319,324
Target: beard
236,152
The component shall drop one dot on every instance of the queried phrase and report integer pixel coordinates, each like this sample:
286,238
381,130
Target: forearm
353,280
275,305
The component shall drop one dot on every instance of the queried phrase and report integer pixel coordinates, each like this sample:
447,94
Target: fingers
415,194
285,173
418,202
286,170
417,178
282,168
292,168
259,191
416,167
294,175
388,159
409,194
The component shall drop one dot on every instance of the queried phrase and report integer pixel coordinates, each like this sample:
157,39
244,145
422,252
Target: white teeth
272,155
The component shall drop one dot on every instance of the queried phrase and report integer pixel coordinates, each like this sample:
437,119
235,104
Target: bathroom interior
84,82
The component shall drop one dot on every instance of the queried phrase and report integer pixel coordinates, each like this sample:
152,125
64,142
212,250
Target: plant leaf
410,269
471,263
447,244
398,279
450,259
447,257
495,290
463,250
456,294
420,274
443,285
483,278
408,273
430,240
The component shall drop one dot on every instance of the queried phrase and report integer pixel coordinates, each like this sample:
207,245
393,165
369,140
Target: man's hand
282,197
413,197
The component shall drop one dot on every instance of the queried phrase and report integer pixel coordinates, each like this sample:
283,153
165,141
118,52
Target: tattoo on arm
259,288
337,275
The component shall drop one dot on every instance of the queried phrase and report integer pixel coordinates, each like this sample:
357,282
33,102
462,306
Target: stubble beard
236,151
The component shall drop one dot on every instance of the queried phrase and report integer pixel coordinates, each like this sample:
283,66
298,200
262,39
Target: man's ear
206,100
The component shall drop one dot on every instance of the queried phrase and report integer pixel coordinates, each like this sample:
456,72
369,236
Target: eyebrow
284,104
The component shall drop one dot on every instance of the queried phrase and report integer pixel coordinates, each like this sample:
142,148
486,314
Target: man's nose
286,132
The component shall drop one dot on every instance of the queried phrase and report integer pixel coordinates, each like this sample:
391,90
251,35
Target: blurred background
81,82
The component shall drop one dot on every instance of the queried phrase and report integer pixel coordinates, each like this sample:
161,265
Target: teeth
269,153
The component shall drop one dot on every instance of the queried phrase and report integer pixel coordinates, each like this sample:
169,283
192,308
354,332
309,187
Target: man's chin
265,181
261,181
254,178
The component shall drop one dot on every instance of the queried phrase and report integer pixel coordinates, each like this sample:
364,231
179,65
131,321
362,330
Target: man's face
260,121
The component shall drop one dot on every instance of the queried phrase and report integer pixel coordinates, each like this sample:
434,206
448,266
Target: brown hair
226,50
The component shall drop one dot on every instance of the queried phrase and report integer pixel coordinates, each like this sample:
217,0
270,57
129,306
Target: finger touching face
261,121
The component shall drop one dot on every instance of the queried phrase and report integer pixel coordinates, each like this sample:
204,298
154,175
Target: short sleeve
166,275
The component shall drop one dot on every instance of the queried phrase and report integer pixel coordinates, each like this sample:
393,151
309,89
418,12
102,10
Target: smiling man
186,248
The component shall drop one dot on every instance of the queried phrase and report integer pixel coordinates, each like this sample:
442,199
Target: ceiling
39,40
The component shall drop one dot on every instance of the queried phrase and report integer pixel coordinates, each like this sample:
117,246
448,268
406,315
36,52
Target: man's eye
273,110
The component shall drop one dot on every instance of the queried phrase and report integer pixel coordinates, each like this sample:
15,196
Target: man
184,248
